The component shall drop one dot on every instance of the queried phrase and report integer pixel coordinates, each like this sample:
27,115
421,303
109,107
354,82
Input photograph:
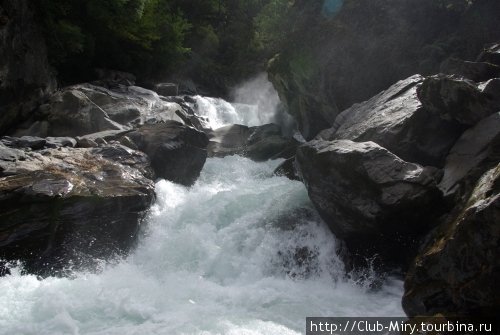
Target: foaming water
255,102
240,252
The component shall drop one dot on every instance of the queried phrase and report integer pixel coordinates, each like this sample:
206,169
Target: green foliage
272,25
215,42
132,35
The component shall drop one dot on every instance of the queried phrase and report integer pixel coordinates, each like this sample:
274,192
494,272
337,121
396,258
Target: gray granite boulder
370,198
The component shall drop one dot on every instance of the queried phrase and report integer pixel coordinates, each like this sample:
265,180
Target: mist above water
259,92
254,103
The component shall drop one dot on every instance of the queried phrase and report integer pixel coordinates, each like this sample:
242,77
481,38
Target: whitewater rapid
240,252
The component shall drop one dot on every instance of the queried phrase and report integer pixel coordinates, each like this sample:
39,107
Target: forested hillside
217,42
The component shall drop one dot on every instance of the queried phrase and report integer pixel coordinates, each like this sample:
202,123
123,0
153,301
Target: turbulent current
240,252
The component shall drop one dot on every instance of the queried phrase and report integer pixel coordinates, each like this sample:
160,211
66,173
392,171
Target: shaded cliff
339,56
25,75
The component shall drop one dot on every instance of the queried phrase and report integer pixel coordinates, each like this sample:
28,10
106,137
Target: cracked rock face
458,268
397,120
373,200
71,207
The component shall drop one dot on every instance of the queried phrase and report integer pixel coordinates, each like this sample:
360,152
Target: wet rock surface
73,207
373,200
257,143
458,268
476,151
177,152
397,120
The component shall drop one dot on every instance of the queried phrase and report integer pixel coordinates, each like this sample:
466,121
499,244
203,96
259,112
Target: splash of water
240,252
259,92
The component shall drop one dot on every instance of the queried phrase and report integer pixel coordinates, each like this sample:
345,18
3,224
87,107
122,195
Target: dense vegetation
218,40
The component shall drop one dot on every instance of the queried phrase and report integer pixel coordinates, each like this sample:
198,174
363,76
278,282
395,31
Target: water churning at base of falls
240,252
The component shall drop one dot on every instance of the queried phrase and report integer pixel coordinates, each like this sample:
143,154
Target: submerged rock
257,143
458,268
177,152
71,207
373,200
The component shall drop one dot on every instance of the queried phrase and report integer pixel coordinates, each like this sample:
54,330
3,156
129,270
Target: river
240,252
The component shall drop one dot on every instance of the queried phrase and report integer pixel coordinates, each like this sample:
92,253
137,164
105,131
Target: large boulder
477,151
177,152
458,269
86,108
71,207
456,99
397,120
372,199
71,113
25,74
257,143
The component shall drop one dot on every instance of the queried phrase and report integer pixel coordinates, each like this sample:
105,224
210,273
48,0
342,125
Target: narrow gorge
352,173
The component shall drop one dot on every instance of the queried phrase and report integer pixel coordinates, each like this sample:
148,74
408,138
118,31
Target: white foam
216,258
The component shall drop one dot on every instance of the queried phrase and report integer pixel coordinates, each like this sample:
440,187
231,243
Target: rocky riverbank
408,180
77,177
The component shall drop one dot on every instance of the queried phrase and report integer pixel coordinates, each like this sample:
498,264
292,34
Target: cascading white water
219,112
240,252
256,102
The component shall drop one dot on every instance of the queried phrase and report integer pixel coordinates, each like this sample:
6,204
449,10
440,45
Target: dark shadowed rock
491,89
288,169
396,120
177,152
455,99
167,89
458,269
72,207
25,74
373,200
490,54
31,142
477,151
475,71
257,143
113,78
8,157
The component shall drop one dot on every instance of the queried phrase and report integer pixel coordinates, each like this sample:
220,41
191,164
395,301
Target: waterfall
255,102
